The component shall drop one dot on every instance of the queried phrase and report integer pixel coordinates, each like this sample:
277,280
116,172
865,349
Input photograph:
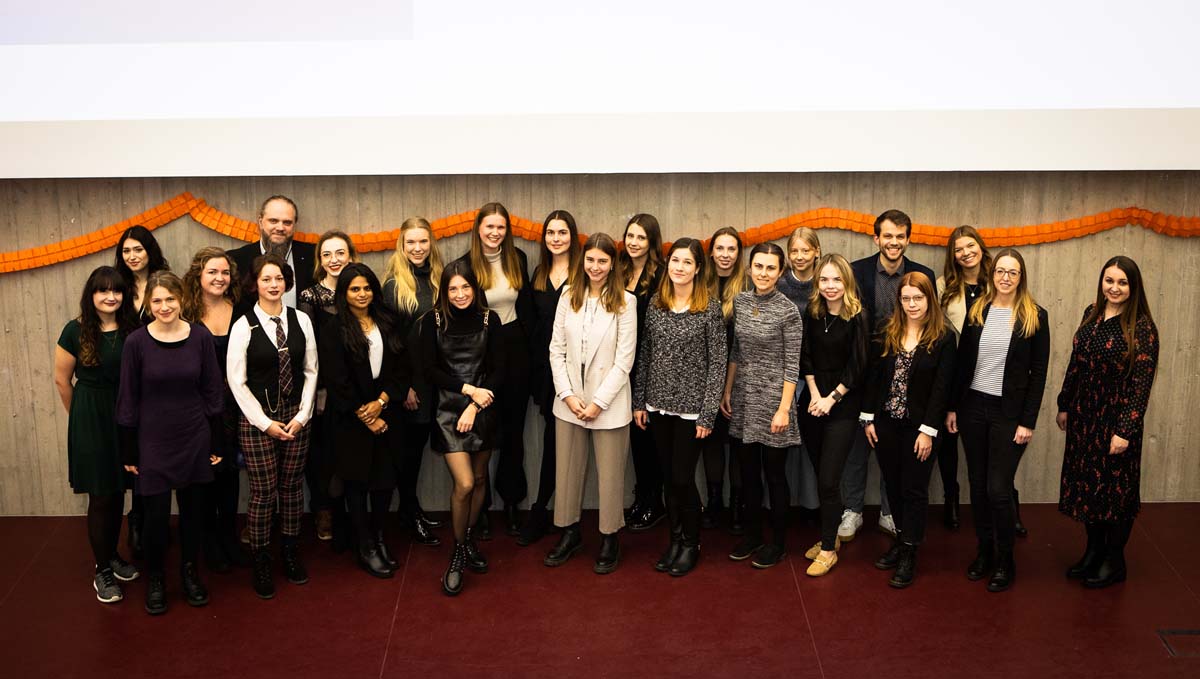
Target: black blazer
1024,369
525,310
303,256
864,276
929,382
348,384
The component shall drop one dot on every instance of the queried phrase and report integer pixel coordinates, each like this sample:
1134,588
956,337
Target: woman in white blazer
591,353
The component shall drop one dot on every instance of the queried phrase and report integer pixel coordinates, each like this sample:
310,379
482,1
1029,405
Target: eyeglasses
1008,273
915,298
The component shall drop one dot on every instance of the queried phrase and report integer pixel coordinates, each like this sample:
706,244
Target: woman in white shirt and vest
591,353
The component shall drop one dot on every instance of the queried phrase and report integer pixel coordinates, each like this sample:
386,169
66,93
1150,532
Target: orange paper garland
819,218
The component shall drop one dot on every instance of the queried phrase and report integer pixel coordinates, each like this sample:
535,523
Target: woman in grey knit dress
681,367
759,400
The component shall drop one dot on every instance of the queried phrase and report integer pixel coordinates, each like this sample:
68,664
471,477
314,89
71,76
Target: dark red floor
522,619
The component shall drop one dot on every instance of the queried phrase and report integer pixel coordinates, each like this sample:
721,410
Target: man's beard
280,249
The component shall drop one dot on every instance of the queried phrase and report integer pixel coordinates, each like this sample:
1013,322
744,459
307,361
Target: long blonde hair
737,277
933,326
399,269
1025,309
851,305
612,295
509,260
807,235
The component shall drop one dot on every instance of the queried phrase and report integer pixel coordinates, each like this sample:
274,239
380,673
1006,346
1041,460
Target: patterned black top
681,362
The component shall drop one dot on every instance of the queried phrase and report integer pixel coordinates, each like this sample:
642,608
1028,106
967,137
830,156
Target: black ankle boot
293,569
568,546
1005,573
512,519
384,552
429,522
649,515
214,554
483,526
371,561
950,513
982,566
689,556
906,567
736,512
1093,554
890,558
1112,569
712,510
668,558
421,534
476,561
637,506
261,576
537,520
452,579
610,554
1018,527
193,588
156,594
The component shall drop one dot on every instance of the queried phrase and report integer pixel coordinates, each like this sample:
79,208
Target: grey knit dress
767,333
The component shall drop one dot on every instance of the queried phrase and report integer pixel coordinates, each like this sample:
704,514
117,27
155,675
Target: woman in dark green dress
87,370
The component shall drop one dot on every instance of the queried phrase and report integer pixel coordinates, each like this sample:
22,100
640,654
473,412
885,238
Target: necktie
285,360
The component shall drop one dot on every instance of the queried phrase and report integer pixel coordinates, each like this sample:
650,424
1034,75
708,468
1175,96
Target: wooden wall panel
1063,275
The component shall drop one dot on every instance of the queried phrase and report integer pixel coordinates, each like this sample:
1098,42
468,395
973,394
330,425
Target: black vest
262,360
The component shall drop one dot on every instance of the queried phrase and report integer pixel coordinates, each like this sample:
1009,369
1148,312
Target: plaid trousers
276,472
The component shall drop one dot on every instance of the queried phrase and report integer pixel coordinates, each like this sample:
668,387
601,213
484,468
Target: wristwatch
837,396
382,404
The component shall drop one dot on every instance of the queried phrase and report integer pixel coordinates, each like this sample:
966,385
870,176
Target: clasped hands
583,413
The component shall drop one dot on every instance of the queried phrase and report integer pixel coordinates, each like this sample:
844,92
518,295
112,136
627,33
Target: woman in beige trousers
591,352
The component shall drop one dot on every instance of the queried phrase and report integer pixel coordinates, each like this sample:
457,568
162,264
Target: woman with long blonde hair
726,276
1003,356
803,254
503,274
410,286
904,409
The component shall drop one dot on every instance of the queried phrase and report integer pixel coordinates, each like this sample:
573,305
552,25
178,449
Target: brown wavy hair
193,295
700,292
541,275
1136,307
952,273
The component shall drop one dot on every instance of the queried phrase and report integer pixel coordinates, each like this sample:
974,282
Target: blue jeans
854,477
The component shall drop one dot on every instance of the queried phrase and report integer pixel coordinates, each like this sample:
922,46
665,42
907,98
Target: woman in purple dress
169,412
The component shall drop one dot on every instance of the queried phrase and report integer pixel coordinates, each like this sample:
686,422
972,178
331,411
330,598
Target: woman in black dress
409,288
89,349
1102,407
209,295
169,412
365,367
503,274
833,360
560,251
1000,375
904,407
726,280
335,251
463,355
643,263
138,255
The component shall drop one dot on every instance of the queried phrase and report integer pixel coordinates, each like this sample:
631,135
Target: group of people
297,364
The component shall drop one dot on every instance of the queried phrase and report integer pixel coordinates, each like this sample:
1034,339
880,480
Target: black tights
714,458
754,459
220,516
158,521
366,525
679,451
104,526
408,470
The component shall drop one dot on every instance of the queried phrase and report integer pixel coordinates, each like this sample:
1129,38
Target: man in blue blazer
878,279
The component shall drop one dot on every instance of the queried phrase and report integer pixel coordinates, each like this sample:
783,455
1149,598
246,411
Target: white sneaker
887,525
851,522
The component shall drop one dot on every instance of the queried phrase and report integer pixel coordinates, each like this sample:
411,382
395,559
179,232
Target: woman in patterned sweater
760,400
683,348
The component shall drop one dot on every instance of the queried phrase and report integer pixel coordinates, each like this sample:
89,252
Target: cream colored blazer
602,373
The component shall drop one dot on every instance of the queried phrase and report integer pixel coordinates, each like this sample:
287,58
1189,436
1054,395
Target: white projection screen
222,88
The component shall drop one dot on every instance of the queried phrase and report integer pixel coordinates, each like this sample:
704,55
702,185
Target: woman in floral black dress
1102,407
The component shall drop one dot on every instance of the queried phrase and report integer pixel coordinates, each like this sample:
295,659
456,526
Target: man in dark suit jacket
878,278
277,219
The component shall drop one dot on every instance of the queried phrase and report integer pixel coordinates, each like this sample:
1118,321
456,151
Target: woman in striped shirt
999,379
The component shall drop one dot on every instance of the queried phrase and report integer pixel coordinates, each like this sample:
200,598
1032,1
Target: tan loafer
816,549
821,566
324,521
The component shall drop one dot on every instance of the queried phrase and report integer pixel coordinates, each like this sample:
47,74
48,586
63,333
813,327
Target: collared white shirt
235,365
291,296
